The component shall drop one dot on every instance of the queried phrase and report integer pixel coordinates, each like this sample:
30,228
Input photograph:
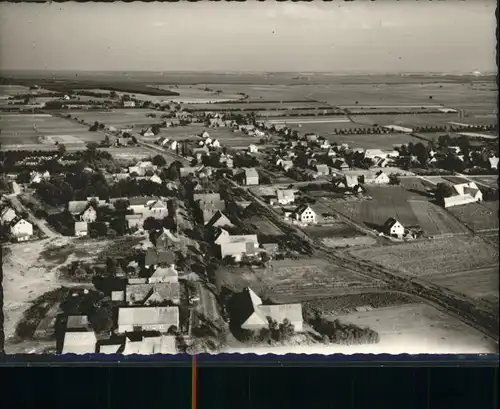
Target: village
198,206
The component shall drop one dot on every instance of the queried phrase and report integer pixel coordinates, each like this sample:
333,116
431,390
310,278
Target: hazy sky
256,36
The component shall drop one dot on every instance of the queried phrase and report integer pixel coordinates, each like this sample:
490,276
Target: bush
347,334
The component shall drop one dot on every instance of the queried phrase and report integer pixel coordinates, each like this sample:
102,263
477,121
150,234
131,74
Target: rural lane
41,224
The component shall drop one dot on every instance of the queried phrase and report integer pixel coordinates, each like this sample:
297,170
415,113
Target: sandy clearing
25,278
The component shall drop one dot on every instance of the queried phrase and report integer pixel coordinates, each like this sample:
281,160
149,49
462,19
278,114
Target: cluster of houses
85,212
18,228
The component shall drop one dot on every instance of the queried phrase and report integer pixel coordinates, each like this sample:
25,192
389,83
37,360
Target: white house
173,145
285,197
148,133
205,135
129,104
89,215
21,230
215,144
155,179
393,228
305,214
464,193
7,215
253,149
493,162
381,178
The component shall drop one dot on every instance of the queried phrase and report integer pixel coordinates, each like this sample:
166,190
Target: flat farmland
386,202
295,280
477,216
434,220
374,141
257,106
339,234
441,259
419,328
7,91
119,118
180,133
489,181
335,119
404,120
27,128
409,91
193,95
266,92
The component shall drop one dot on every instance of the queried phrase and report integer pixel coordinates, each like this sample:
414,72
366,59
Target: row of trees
342,333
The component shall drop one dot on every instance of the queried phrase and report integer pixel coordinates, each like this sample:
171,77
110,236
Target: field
440,260
295,280
195,94
477,216
257,106
417,187
419,328
387,201
434,220
369,141
339,234
406,120
489,181
27,128
119,118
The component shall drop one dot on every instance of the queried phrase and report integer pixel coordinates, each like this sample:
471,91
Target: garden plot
439,261
434,220
478,217
295,280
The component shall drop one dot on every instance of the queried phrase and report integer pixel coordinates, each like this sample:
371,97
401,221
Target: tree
421,153
106,140
110,266
61,148
151,224
159,161
95,127
394,179
444,141
443,190
155,128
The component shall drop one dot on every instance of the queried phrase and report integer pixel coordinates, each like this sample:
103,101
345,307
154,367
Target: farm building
134,319
248,312
464,193
347,182
236,246
305,214
147,294
393,228
14,187
148,133
251,177
79,337
134,221
340,164
129,104
380,178
379,153
147,345
285,196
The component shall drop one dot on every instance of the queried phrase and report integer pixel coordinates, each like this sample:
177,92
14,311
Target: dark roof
154,256
390,222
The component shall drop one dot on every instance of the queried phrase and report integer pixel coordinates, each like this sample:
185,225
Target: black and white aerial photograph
249,177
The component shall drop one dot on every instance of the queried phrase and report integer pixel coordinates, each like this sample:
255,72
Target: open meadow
295,280
419,328
409,121
445,261
29,128
374,141
194,94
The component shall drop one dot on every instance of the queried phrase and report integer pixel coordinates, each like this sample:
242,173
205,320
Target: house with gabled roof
137,319
251,177
322,170
381,178
7,215
305,214
219,219
393,228
142,167
164,274
249,312
21,229
347,182
340,164
148,133
253,148
493,162
152,293
464,193
79,337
